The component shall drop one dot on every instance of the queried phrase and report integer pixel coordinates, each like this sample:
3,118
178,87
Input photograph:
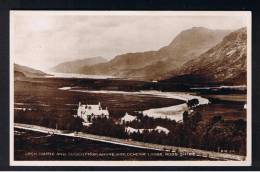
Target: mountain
152,65
24,71
74,66
224,63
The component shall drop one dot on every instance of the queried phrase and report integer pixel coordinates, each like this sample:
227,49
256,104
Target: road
136,144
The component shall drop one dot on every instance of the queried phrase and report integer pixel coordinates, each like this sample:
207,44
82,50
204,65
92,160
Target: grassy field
42,96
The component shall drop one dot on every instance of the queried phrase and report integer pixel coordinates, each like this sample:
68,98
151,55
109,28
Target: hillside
224,63
152,65
24,71
75,65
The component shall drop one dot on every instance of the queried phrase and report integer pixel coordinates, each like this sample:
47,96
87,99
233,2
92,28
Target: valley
52,102
190,94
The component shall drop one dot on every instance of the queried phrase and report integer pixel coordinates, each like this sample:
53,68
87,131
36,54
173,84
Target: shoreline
171,112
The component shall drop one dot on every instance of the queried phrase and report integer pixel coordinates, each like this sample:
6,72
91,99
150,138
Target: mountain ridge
151,65
73,66
24,71
223,63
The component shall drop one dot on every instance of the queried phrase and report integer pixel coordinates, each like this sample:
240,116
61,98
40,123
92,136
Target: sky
44,39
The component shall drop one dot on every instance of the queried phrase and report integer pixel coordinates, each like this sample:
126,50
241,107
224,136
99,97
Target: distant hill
224,63
24,71
152,65
75,65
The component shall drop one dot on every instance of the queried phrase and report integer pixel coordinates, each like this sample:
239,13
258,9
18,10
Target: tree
192,102
195,119
216,119
106,127
185,117
77,124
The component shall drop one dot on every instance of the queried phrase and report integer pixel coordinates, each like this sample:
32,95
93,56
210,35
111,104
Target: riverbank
170,112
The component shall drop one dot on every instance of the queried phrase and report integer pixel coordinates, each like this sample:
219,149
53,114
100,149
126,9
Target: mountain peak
149,65
199,35
223,63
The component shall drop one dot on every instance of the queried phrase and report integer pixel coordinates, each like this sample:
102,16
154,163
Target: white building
127,118
162,129
159,129
130,130
90,112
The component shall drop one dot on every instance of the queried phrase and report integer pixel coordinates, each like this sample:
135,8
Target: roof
92,109
128,118
141,130
134,130
131,130
162,129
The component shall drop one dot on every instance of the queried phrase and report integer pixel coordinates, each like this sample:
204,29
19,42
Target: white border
248,160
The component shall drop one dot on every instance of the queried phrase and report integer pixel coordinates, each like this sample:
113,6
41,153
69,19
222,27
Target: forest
215,134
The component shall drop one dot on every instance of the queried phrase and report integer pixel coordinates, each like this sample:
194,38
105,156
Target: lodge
89,112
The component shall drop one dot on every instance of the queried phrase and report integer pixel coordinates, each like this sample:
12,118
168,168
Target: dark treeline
131,85
106,127
149,123
222,91
61,120
215,134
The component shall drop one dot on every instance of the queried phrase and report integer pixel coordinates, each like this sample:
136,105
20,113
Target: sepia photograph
130,88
